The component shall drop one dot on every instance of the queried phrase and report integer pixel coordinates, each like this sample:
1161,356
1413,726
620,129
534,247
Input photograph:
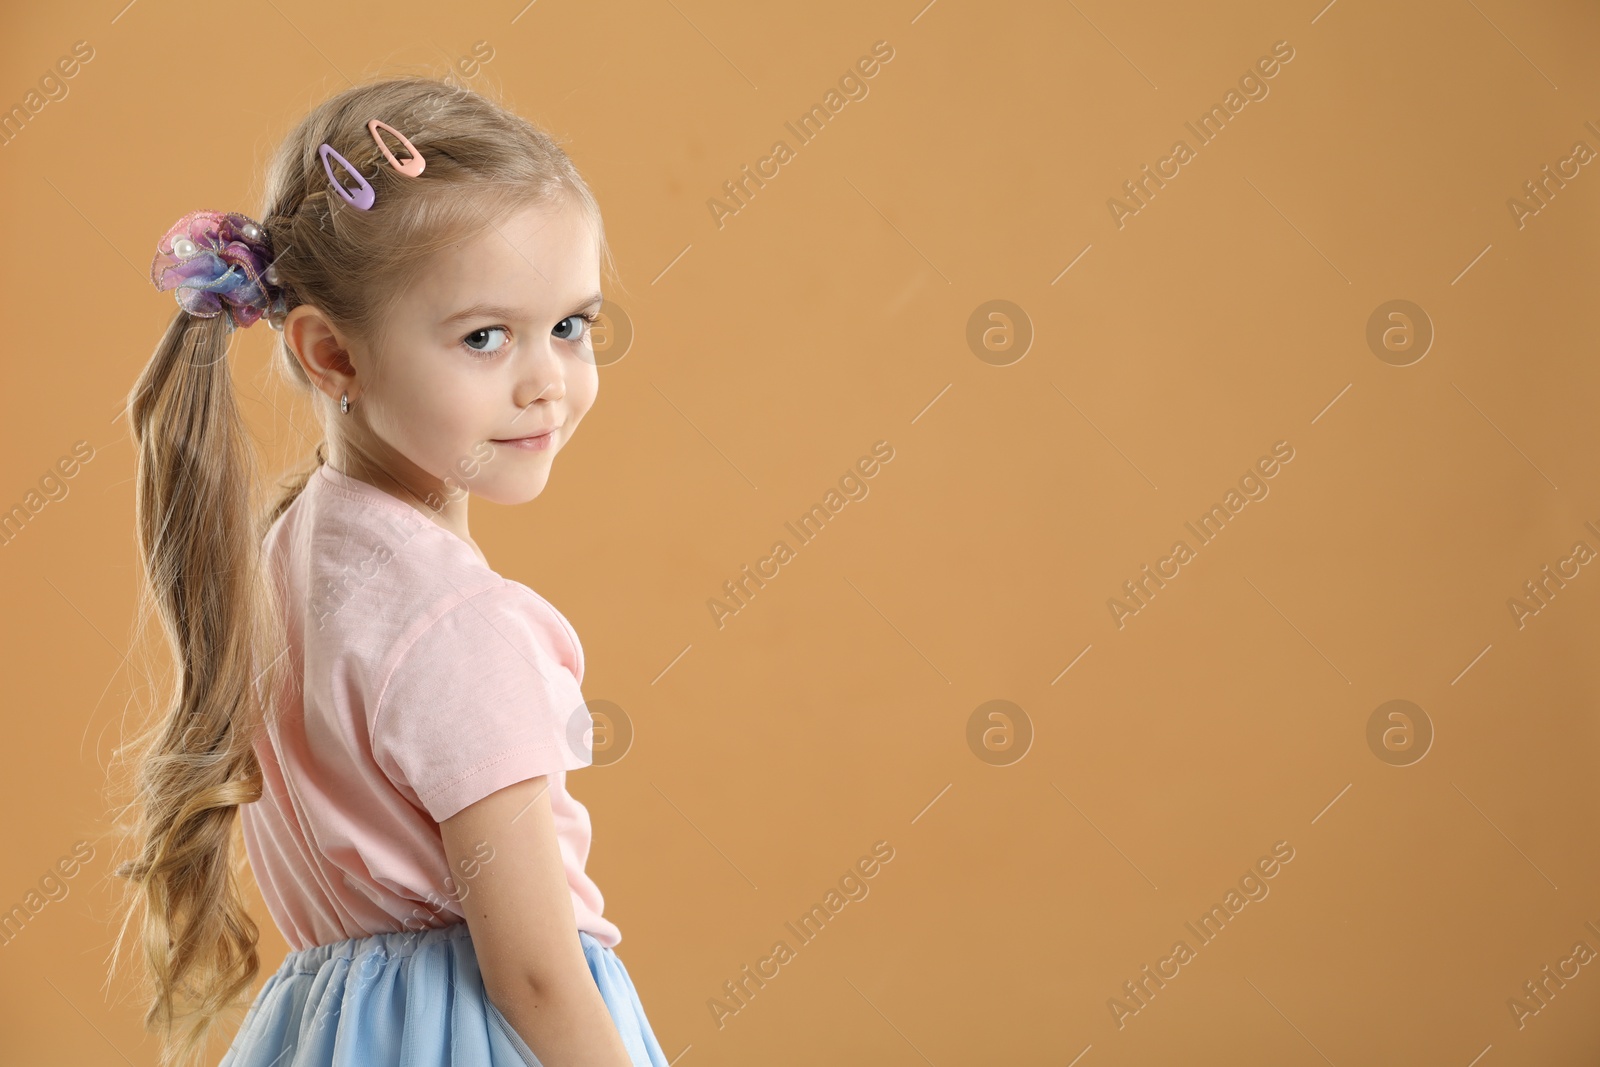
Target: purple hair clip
363,195
219,261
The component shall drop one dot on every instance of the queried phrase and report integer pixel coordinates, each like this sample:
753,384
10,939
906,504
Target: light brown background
831,313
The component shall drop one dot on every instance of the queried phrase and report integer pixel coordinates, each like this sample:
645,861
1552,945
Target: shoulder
488,618
370,570
377,583
500,631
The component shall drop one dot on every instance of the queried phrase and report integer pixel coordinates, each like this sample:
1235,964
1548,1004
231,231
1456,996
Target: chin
509,495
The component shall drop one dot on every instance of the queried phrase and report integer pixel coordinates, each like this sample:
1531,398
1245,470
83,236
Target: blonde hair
200,532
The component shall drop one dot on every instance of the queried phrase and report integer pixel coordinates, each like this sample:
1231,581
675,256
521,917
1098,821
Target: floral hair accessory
219,262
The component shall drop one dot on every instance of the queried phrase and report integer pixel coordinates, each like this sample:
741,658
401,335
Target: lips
539,442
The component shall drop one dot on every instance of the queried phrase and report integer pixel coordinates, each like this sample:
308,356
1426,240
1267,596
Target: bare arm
519,911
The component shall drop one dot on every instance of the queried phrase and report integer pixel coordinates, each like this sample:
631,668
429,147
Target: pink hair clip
410,167
363,195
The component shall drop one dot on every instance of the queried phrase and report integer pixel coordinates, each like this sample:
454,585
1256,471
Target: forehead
537,258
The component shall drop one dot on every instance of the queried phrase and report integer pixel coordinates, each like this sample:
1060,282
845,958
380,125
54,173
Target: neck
403,480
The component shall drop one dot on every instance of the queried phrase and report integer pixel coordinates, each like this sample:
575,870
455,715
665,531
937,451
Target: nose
541,377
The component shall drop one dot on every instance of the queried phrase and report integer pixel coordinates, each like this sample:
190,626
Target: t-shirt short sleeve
483,698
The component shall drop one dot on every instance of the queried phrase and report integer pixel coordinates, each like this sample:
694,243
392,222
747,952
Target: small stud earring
344,403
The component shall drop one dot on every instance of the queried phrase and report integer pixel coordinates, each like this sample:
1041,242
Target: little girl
392,719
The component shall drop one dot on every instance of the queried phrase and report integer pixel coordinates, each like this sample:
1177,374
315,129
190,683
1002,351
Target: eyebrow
500,311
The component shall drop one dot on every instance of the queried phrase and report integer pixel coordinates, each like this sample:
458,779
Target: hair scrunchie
219,262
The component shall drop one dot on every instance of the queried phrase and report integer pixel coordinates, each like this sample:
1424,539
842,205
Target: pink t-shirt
419,682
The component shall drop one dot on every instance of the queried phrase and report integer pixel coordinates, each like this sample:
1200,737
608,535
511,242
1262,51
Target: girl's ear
321,353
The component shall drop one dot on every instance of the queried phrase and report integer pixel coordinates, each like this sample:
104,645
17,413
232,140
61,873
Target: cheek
583,385
426,410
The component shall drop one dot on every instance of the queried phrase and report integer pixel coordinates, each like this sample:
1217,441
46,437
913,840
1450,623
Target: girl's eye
471,341
566,327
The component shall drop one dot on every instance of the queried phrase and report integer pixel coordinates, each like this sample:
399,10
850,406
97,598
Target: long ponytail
200,542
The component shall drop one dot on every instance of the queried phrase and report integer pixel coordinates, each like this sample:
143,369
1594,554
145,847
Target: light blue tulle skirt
409,999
